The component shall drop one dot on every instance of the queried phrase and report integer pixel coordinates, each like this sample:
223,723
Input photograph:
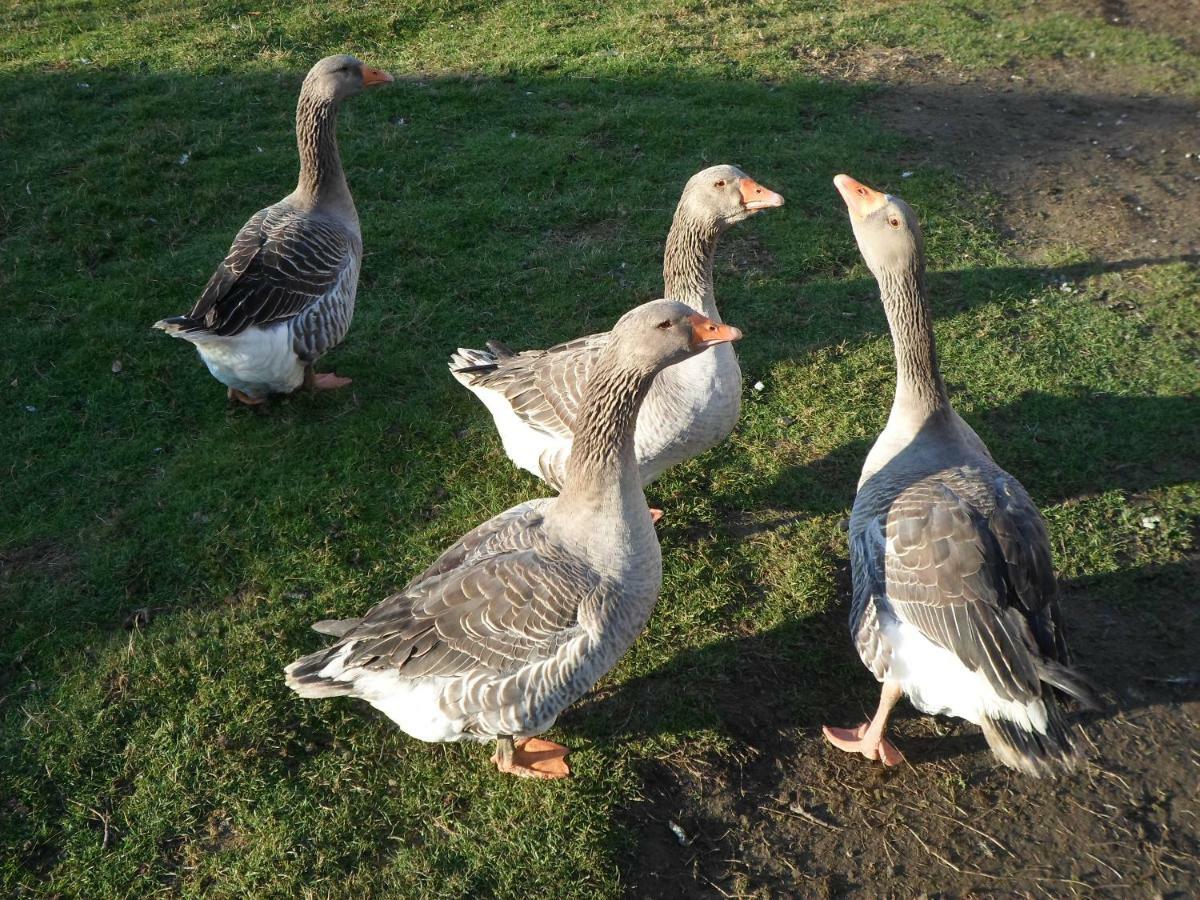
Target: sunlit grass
518,186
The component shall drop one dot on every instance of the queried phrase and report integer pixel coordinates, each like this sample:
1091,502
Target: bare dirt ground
1073,160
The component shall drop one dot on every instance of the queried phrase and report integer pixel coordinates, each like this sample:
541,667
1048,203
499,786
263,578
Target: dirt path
795,818
1074,162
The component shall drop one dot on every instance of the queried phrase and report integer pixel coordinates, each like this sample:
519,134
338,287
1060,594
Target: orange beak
860,199
706,332
375,76
756,197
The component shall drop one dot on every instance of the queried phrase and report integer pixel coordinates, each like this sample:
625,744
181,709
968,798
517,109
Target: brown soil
1073,161
793,817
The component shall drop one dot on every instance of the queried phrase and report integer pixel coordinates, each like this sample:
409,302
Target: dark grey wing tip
1071,682
472,370
500,349
1057,752
173,324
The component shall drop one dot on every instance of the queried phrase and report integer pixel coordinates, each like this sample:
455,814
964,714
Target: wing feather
281,262
545,388
947,575
500,598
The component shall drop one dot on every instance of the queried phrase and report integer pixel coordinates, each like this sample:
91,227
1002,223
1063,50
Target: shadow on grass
760,689
1060,447
140,490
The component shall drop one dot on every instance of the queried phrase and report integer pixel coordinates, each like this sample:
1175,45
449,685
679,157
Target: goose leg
868,738
323,381
531,757
655,515
240,397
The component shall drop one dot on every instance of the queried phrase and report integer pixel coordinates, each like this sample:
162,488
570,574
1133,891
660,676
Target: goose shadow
1060,446
1132,631
826,311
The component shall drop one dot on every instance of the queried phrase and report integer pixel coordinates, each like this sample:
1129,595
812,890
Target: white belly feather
937,682
259,361
523,444
412,703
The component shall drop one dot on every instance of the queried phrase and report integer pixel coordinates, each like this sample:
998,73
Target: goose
522,615
954,596
535,396
284,294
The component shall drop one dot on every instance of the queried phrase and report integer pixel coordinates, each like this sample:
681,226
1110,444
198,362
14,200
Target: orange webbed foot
856,740
535,758
328,381
235,395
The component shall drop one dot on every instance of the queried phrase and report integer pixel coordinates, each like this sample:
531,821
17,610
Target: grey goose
955,601
284,294
522,615
535,396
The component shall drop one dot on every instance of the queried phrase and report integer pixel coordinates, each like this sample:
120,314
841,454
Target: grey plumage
284,294
690,408
945,542
285,265
523,614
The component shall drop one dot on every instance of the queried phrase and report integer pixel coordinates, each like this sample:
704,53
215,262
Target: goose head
661,333
337,77
885,227
725,195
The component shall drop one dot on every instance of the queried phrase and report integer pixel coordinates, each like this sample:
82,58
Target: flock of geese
954,596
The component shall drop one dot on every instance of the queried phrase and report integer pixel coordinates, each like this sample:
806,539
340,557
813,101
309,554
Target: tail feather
179,326
303,676
334,627
466,362
1070,681
1056,751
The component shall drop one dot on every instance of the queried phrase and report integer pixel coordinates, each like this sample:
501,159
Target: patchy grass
517,183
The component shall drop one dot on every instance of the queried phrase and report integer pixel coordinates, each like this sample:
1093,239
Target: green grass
525,196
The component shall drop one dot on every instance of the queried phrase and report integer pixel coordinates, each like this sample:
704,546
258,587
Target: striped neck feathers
688,260
920,391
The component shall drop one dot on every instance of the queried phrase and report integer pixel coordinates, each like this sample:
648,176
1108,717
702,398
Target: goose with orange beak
534,396
520,617
954,602
284,294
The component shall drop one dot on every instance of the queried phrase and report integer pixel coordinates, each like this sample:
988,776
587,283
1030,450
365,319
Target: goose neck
688,261
920,391
602,474
322,178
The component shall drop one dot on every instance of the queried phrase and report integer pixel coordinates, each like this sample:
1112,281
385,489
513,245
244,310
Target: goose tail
180,327
1056,750
305,677
466,363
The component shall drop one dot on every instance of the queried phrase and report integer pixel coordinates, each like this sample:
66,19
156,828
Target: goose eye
894,222
720,183
664,325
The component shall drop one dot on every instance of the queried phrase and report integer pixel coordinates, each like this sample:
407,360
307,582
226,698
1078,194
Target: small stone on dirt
680,834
